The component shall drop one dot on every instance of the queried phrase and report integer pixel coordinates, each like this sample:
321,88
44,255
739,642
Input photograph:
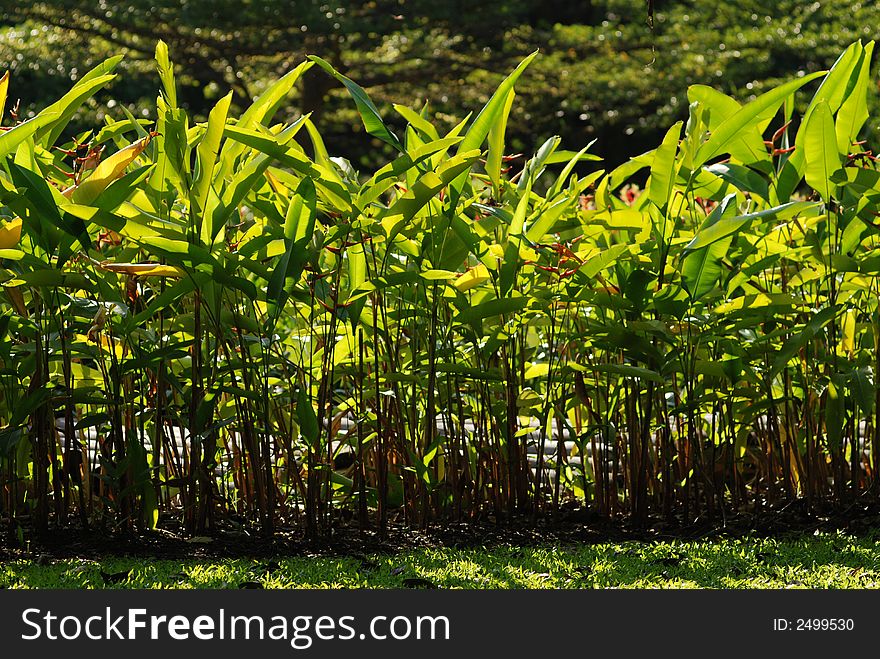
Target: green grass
821,561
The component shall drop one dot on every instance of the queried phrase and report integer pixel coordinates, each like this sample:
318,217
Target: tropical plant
221,321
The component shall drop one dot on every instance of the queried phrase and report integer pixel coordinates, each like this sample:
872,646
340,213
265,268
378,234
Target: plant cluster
221,321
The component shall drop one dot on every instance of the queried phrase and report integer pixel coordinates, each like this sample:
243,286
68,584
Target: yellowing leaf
494,255
848,340
473,277
10,233
143,269
108,171
433,275
4,87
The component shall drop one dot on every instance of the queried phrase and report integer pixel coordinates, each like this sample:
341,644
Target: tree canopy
612,69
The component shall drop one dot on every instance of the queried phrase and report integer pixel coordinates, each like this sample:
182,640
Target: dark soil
572,526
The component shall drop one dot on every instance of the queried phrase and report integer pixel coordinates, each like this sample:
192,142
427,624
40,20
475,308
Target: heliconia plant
222,322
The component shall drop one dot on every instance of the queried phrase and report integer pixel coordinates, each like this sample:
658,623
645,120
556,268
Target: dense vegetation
202,319
604,72
825,561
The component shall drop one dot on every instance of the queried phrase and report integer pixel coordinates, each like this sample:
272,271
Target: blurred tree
604,71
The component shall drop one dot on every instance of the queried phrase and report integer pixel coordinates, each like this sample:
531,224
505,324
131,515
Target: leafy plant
221,321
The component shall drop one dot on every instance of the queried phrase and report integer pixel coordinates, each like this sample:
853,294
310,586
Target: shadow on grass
825,561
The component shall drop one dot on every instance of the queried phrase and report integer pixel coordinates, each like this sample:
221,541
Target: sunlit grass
822,561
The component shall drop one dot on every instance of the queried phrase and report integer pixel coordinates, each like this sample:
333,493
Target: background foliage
603,72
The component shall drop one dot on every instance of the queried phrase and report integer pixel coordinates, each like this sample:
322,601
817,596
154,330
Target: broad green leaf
390,174
835,412
743,178
260,113
726,227
488,117
496,141
425,189
206,153
12,138
299,223
748,147
67,105
295,160
561,180
511,262
491,309
367,109
749,115
832,91
663,168
605,258
853,112
307,419
863,390
52,278
417,121
219,210
625,370
701,268
166,73
794,344
820,151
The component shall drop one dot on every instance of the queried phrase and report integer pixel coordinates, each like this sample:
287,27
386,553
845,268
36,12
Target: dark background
604,71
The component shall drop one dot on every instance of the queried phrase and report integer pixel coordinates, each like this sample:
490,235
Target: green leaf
417,121
701,268
561,180
853,112
12,138
748,115
295,160
663,167
835,411
743,178
625,370
259,113
491,308
67,105
299,223
367,109
748,147
426,188
305,416
794,344
820,151
726,227
863,390
391,173
487,118
496,141
166,73
206,153
243,181
832,90
603,259
511,262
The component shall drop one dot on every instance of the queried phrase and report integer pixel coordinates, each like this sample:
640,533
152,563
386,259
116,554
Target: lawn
818,561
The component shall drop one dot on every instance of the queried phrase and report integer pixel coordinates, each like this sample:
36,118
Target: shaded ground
574,527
